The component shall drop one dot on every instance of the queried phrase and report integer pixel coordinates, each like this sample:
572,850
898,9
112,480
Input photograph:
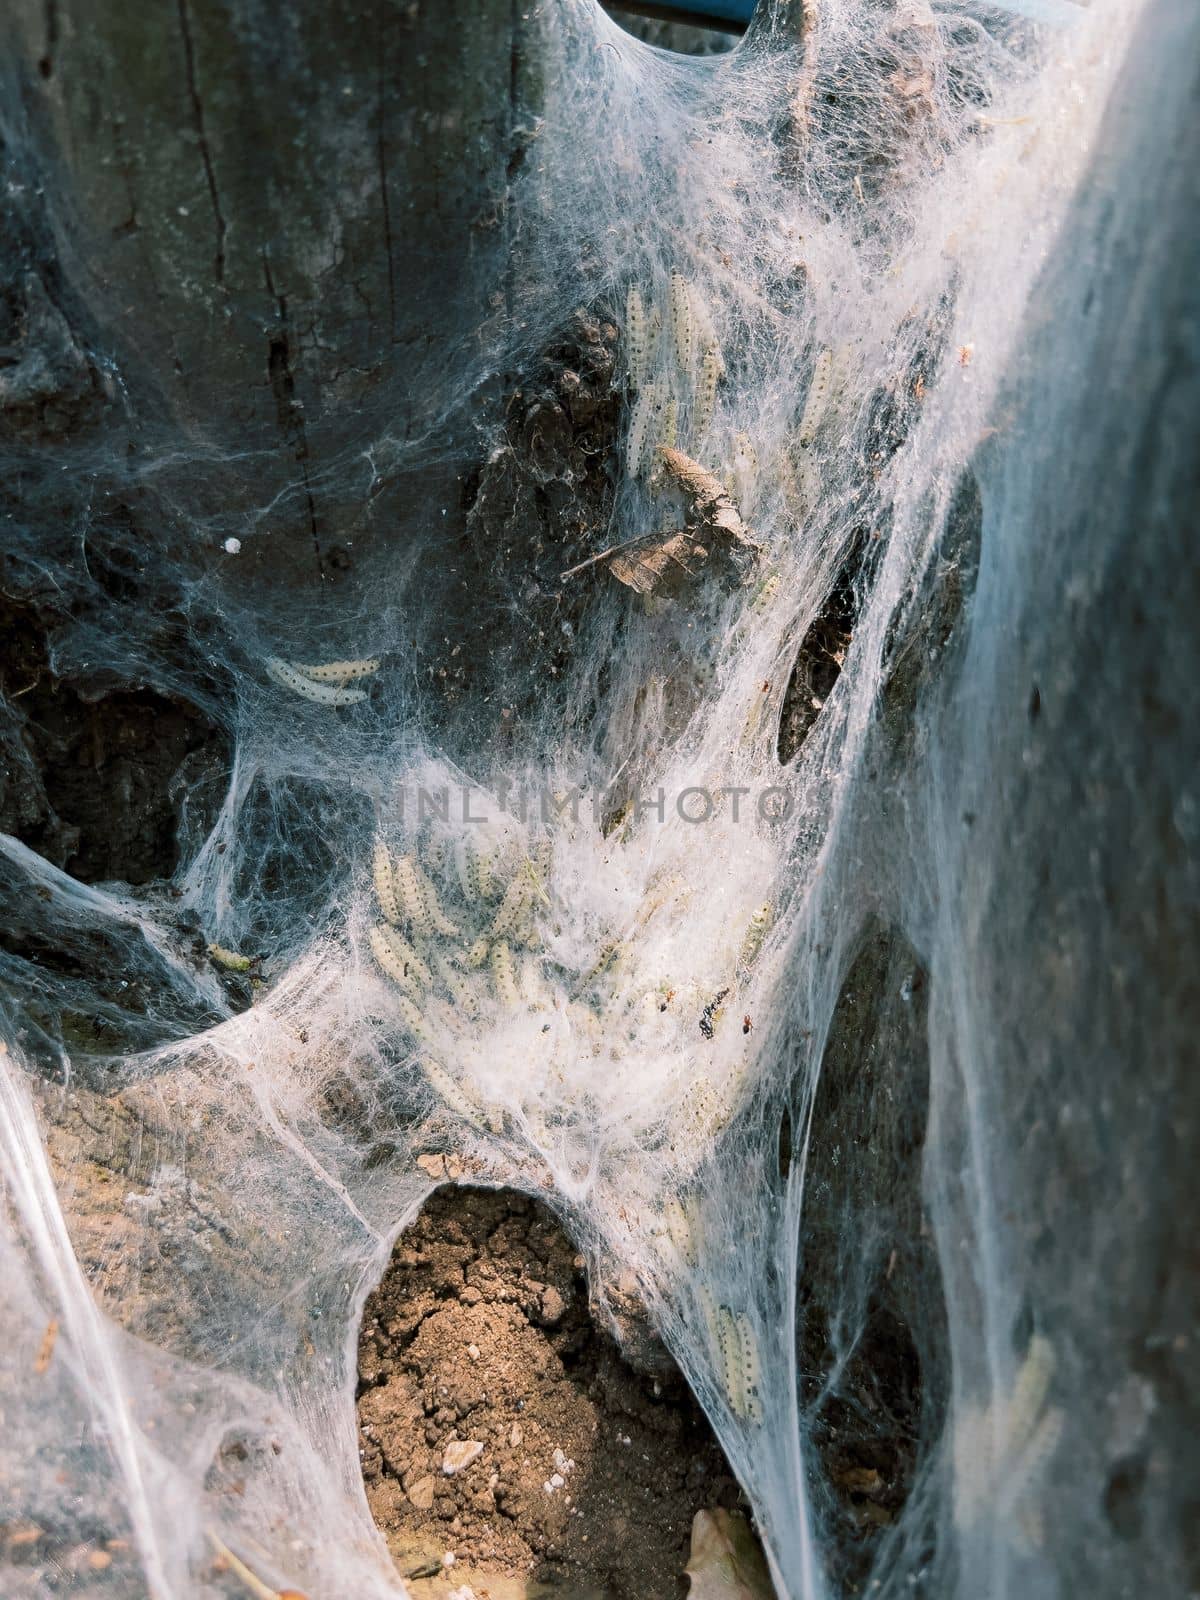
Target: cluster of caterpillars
446,966
673,365
1001,1451
459,936
325,683
730,1332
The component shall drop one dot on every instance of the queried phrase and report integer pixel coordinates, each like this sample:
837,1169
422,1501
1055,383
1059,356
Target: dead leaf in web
659,568
726,1562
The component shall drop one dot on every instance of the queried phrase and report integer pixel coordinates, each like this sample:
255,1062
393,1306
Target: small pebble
232,546
459,1455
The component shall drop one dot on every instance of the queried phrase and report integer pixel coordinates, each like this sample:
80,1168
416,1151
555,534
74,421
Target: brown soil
589,1473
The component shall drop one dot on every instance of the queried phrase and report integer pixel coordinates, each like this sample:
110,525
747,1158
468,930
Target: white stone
459,1455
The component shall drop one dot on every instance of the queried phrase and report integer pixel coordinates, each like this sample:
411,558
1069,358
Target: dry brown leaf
726,1562
710,499
660,568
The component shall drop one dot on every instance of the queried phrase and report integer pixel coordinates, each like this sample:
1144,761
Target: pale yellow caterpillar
390,962
653,337
322,694
751,1369
649,403
447,1090
478,953
766,593
229,959
419,899
668,428
337,672
1041,1445
755,935
467,866
709,1315
414,1021
525,930
434,853
533,871
682,325
385,888
504,977
608,956
819,391
456,986
1030,1388
706,390
635,336
414,967
681,1231
511,907
731,1360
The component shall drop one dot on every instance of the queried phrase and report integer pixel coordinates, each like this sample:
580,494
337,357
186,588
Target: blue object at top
734,14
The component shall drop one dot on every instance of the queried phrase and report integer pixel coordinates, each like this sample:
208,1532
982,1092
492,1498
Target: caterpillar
819,389
322,694
751,1369
508,913
229,959
649,402
456,986
1030,1388
338,672
729,1347
414,967
682,324
447,1090
681,1232
419,899
468,865
526,931
669,426
385,887
755,935
709,1315
477,954
609,955
635,336
504,977
767,591
1031,1461
414,1021
434,853
387,958
706,390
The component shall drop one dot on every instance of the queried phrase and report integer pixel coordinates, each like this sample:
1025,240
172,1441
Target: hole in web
914,653
871,1324
498,1421
660,25
820,658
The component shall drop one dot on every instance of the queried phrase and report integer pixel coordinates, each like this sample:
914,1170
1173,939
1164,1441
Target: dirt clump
500,1424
